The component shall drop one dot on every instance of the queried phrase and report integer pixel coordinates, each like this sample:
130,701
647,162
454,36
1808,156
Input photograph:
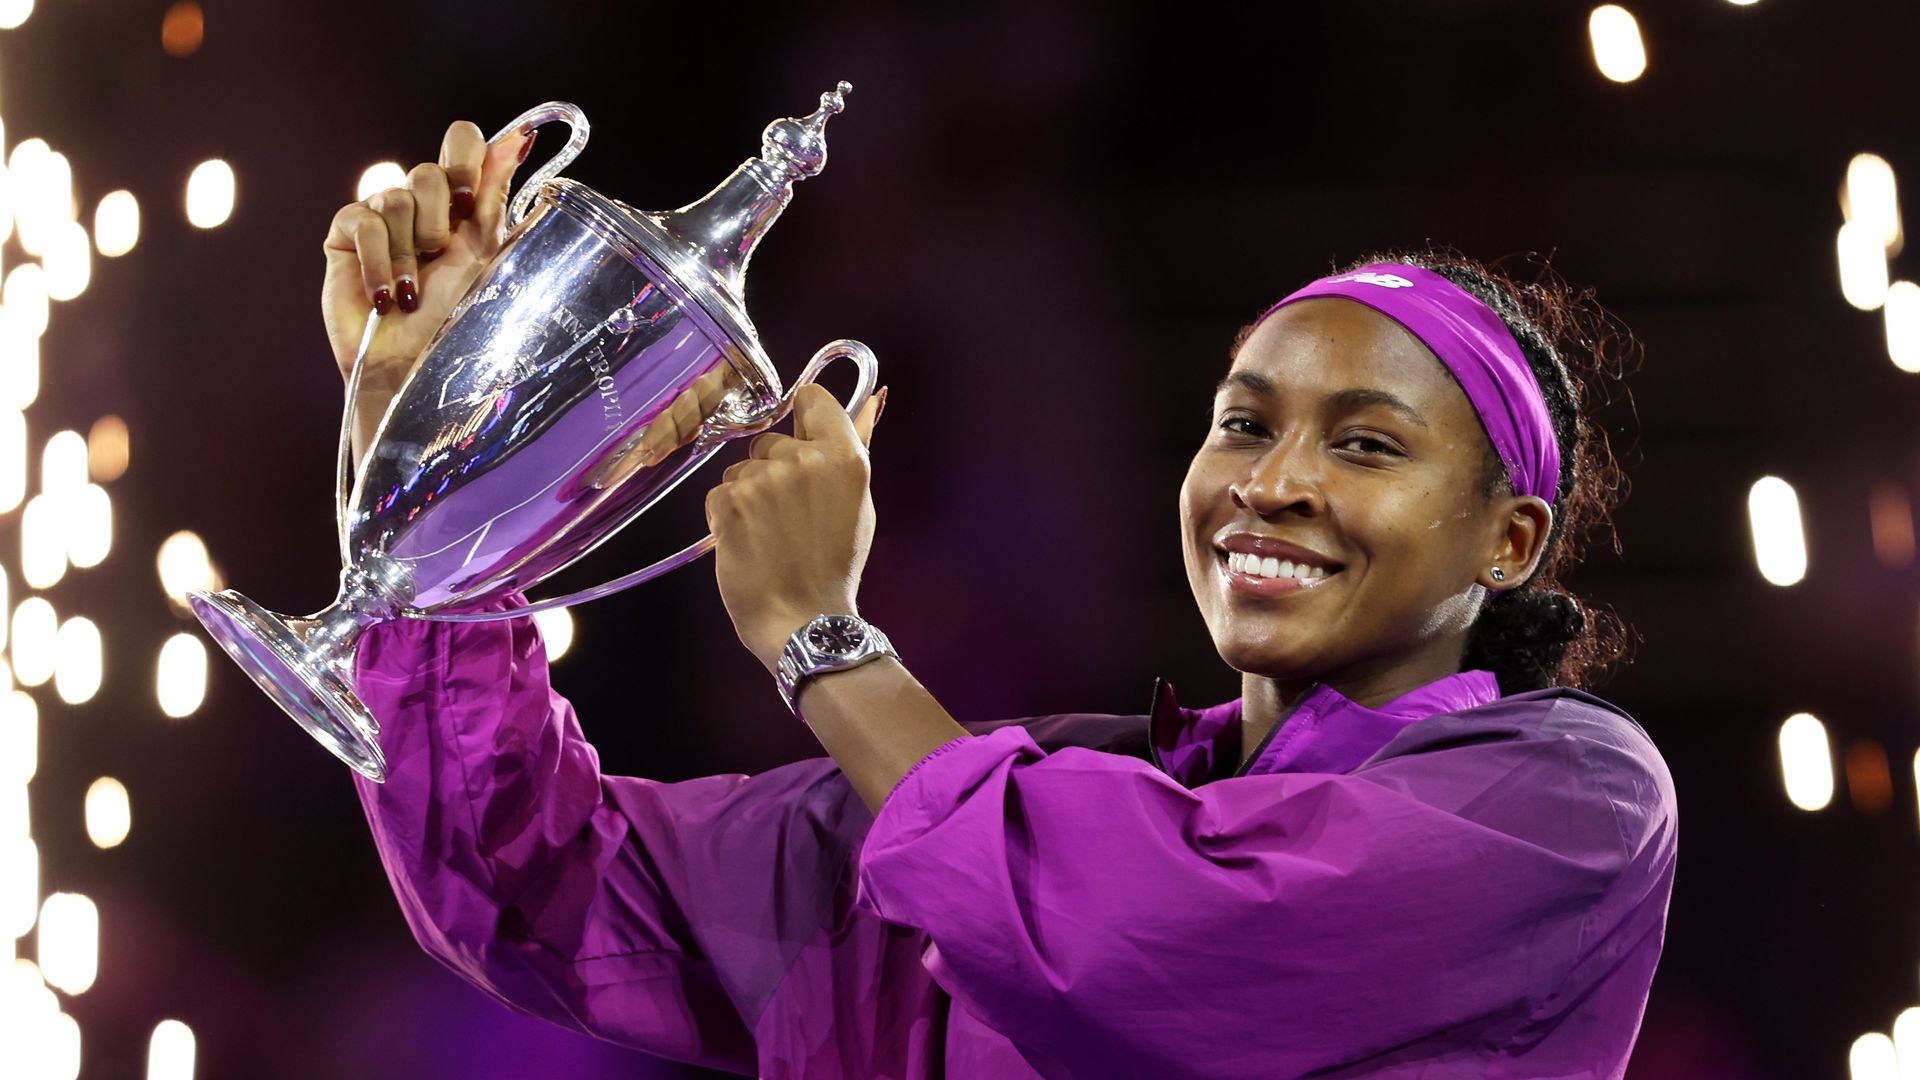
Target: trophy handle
534,117
343,460
869,367
516,212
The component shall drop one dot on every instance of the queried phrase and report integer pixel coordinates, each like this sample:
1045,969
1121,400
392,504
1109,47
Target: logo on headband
1368,277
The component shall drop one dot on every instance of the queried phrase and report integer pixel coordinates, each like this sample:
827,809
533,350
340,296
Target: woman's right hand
410,253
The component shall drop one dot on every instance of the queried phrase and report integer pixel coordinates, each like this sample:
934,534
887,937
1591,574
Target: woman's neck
1264,700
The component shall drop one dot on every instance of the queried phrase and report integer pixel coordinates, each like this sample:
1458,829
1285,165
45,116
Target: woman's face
1339,441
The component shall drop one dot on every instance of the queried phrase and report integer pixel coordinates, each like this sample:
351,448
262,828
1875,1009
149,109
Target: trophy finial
798,145
721,230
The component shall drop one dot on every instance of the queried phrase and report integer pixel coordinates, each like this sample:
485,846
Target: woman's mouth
1254,575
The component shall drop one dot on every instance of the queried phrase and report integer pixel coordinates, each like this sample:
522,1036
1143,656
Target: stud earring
1499,574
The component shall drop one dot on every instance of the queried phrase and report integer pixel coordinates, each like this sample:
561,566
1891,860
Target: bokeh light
1903,325
116,224
24,293
170,1052
69,936
15,811
89,525
379,177
185,566
109,813
180,680
63,463
211,191
19,363
36,640
69,261
107,449
556,631
1779,539
182,29
1869,782
1890,520
1617,47
1806,762
43,543
1871,200
1906,1043
40,188
1863,267
79,664
1872,1057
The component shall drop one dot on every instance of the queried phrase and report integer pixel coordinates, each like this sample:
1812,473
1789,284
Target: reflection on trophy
599,359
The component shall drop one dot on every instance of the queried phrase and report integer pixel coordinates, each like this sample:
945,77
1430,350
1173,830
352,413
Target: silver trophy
602,356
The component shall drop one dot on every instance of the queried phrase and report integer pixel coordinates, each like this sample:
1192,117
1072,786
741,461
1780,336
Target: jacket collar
1323,731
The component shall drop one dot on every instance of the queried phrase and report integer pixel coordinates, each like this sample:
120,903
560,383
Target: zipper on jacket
1267,739
1153,710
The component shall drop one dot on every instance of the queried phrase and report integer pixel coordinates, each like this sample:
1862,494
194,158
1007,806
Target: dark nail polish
463,203
383,300
409,298
882,407
527,147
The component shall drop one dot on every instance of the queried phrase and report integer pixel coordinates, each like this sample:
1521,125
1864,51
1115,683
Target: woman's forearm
876,721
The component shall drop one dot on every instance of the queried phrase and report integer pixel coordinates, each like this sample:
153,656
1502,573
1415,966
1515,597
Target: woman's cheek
1194,507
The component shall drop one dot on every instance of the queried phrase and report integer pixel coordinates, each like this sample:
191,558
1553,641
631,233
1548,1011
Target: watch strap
799,661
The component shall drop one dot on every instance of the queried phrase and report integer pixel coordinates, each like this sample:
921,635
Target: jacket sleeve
660,916
1111,922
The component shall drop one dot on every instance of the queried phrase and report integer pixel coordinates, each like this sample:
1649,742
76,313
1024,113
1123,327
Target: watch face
836,635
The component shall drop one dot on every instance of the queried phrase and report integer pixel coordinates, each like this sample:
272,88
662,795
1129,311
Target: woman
1404,851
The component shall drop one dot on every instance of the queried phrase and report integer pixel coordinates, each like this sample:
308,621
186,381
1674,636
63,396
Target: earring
1499,574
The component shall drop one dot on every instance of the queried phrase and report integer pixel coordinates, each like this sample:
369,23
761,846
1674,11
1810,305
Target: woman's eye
1251,427
1368,445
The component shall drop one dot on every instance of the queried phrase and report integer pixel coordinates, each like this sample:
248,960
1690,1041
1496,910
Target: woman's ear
1520,544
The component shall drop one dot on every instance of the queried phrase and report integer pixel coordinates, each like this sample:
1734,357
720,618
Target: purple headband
1475,344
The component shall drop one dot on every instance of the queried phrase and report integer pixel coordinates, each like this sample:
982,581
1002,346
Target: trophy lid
703,248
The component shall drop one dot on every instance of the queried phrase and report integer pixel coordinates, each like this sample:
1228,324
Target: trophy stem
306,665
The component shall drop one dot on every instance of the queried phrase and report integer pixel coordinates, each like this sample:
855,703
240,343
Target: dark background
1049,222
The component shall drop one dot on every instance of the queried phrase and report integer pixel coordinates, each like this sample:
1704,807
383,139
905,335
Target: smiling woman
1404,851
1347,462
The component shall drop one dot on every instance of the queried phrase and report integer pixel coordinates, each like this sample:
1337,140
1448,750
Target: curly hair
1537,633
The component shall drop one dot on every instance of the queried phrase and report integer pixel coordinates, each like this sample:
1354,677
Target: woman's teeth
1272,567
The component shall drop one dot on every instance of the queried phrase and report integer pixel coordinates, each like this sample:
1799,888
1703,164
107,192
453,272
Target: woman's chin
1268,659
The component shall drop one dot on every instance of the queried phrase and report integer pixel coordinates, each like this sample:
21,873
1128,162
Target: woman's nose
1279,481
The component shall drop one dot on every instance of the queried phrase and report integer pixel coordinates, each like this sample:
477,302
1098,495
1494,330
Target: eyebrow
1358,397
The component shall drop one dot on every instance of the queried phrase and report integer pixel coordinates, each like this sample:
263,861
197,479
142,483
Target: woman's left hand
794,521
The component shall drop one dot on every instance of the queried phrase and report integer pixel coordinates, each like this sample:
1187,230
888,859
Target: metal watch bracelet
830,642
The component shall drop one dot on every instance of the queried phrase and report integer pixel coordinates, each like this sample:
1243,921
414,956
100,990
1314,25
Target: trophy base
275,654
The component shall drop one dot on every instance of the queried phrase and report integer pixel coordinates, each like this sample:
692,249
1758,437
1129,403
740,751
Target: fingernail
383,300
882,407
409,298
527,147
462,203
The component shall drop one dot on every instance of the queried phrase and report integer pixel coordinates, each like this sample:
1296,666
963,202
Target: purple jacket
1454,884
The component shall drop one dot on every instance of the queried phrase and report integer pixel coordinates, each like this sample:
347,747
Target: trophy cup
600,358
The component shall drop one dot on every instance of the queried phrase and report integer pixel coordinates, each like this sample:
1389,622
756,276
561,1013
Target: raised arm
1462,899
708,921
667,917
518,866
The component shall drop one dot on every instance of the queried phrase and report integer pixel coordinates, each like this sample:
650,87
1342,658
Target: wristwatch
828,643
